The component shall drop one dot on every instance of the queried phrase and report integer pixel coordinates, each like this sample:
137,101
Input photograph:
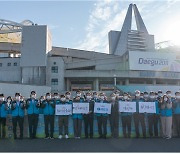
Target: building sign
127,106
102,108
154,61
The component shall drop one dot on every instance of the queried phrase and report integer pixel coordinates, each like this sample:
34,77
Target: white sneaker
66,136
60,137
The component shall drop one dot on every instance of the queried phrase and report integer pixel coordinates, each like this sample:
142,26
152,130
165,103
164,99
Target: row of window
54,81
8,64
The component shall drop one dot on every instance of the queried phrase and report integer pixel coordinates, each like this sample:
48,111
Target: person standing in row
126,118
102,118
139,117
166,116
176,111
4,110
17,108
48,106
32,106
89,117
114,116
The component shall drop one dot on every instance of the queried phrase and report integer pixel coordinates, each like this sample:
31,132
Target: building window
9,64
54,81
54,69
54,63
15,64
0,64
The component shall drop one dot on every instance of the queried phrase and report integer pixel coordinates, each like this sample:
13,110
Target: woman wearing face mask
4,111
63,119
166,117
32,106
176,111
89,118
114,116
126,118
102,118
139,117
153,118
17,110
48,106
77,118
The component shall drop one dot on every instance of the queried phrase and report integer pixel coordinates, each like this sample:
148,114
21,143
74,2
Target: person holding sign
102,118
153,118
48,106
63,119
89,118
17,110
114,116
176,110
139,117
78,117
32,106
166,116
126,118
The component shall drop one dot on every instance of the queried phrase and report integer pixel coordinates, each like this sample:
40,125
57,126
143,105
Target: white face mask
88,97
102,97
79,94
160,94
21,100
113,98
56,97
48,97
137,95
169,95
17,98
63,99
95,96
8,100
33,96
125,97
42,100
165,99
141,96
1,98
152,97
145,96
68,96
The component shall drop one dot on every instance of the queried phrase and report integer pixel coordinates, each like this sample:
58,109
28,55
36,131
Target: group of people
167,107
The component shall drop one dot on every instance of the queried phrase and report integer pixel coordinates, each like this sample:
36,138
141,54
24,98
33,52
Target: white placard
80,108
63,109
127,106
147,107
102,108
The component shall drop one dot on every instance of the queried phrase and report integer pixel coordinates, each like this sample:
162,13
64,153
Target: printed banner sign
102,108
127,106
81,108
147,107
63,109
154,61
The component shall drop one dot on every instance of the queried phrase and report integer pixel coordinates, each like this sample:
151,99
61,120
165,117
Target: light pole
114,80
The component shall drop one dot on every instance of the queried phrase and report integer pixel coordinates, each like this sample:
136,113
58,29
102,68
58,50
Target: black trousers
114,124
33,123
49,121
77,127
126,124
102,124
2,127
139,118
63,123
88,125
20,121
177,123
153,124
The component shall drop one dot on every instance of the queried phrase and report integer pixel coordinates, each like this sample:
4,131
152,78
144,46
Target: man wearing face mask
4,110
88,118
166,116
146,96
68,96
114,116
176,110
32,106
102,118
48,106
63,119
126,118
17,110
169,94
153,118
95,96
139,117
